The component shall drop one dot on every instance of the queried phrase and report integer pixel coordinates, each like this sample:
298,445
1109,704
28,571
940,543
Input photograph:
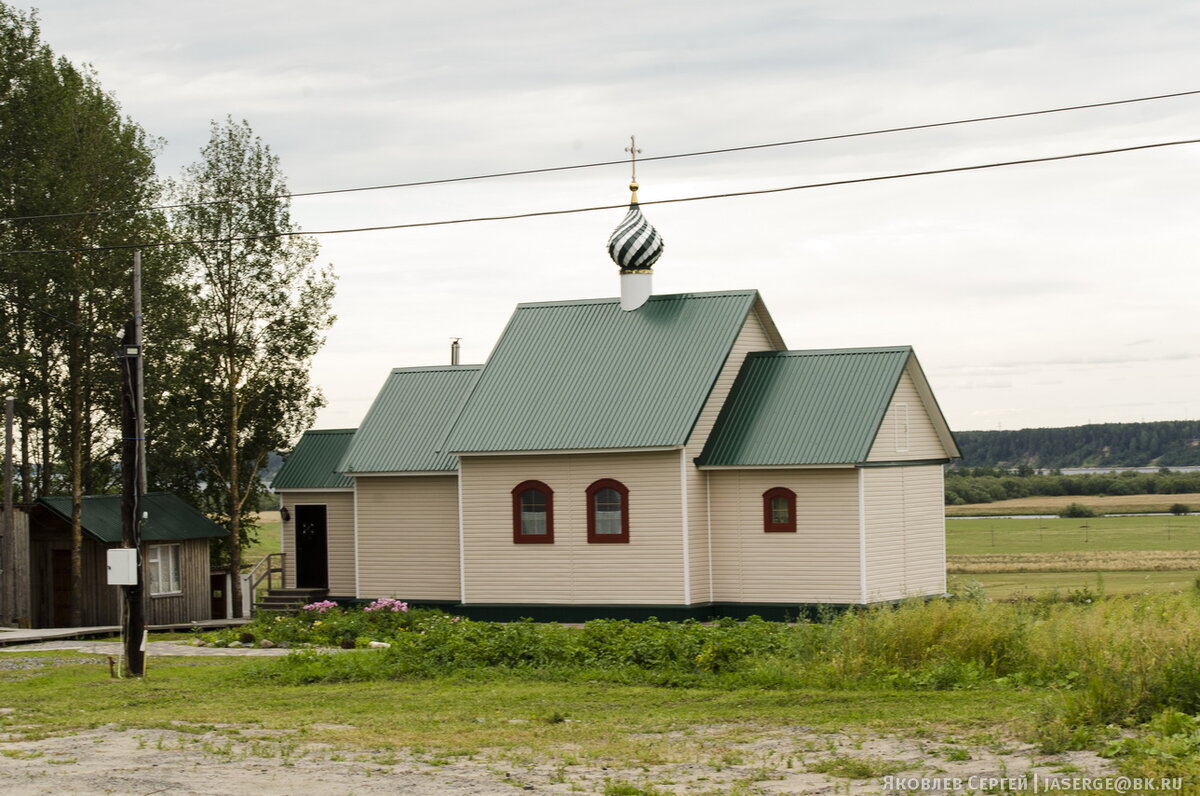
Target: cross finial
633,151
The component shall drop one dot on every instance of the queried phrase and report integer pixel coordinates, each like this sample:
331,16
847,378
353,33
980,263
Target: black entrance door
312,553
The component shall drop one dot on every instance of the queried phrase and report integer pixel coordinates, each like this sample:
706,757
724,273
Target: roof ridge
831,351
331,431
656,297
435,368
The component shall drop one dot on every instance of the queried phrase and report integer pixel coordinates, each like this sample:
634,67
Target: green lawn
624,724
1056,535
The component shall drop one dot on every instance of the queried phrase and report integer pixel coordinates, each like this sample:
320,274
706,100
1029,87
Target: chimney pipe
454,350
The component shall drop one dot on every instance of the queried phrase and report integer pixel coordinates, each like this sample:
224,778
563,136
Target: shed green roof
314,462
571,375
167,517
405,426
805,407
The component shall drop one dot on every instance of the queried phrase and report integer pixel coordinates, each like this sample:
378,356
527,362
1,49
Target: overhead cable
551,169
568,211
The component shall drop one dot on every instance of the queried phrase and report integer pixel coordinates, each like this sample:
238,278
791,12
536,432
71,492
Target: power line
569,211
551,169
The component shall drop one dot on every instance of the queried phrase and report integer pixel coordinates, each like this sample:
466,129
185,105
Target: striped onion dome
635,245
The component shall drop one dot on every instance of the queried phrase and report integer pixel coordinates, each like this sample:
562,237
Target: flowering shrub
320,607
388,604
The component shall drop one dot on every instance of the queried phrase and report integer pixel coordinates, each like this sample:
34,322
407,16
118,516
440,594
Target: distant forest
1162,444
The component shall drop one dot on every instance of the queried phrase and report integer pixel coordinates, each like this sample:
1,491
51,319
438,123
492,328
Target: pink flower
388,604
321,607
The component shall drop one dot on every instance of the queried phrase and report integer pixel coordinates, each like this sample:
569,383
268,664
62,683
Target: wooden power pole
8,544
132,463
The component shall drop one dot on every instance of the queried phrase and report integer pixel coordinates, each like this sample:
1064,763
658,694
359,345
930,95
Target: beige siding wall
647,570
753,337
907,433
817,564
408,537
339,518
906,532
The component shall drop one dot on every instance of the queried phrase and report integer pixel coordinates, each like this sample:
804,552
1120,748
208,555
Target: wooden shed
175,560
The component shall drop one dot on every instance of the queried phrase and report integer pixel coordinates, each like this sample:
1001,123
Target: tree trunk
75,433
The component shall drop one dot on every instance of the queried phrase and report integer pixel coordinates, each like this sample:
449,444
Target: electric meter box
122,566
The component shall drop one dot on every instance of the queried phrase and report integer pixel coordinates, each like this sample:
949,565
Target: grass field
1113,504
1015,557
268,538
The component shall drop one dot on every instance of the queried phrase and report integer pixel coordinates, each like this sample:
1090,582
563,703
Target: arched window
607,512
779,510
533,513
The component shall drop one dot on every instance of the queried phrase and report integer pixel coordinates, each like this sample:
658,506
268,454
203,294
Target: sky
1051,294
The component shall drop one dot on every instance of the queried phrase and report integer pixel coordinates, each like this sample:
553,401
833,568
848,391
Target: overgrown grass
1111,661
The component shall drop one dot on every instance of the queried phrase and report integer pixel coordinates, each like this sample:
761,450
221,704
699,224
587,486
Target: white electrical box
122,566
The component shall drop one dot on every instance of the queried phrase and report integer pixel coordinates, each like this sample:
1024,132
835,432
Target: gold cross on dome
633,153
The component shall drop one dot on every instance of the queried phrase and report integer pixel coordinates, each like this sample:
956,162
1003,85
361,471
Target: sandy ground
234,759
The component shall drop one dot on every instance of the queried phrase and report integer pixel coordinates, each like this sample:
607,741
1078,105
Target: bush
1180,509
1078,510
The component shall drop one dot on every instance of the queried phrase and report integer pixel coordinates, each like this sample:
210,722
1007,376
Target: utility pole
8,545
132,464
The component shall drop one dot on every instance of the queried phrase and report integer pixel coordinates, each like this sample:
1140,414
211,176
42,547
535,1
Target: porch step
289,600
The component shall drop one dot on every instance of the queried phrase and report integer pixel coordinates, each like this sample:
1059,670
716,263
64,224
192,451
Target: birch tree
261,309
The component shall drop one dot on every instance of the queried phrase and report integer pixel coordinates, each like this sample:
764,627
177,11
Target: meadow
1121,554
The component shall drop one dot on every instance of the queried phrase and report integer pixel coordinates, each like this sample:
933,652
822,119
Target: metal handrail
264,570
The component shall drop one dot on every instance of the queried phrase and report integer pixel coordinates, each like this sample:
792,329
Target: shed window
162,569
607,512
779,510
533,513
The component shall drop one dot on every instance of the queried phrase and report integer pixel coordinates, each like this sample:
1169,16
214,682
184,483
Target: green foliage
1180,509
988,484
1077,510
852,767
1168,443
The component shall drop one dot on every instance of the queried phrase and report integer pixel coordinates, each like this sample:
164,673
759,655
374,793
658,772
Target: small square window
162,569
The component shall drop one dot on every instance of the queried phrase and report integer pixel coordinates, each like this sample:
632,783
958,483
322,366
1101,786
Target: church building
646,455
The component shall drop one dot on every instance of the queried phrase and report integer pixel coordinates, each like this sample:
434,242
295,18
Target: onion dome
635,245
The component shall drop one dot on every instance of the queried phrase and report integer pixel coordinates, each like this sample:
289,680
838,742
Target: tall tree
67,154
262,308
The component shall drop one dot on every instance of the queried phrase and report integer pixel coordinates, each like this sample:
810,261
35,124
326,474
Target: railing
265,569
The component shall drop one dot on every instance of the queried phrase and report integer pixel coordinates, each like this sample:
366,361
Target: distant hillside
1163,444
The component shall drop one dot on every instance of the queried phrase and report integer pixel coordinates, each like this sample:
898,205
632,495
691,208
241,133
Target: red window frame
532,538
779,527
607,538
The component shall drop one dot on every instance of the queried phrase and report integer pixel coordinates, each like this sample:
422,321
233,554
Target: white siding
408,537
906,532
819,563
753,337
907,433
648,570
339,518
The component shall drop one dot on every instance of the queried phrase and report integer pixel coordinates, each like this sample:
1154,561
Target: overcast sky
1041,295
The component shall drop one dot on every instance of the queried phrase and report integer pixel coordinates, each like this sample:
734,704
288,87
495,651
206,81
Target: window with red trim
779,510
533,513
607,512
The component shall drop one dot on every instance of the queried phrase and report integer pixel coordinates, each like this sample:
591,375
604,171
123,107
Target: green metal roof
405,426
805,407
571,375
314,462
167,517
